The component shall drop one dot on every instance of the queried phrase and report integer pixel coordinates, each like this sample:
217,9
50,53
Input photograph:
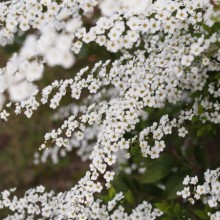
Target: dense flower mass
162,53
210,190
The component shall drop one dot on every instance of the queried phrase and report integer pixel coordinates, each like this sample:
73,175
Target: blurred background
21,137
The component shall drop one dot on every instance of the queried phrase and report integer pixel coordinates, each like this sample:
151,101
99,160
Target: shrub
142,114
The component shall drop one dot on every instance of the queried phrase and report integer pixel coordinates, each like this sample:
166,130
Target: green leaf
200,109
217,76
205,129
165,218
111,192
176,210
173,185
200,155
200,132
158,169
196,94
123,182
162,206
207,28
216,27
170,209
135,150
201,214
129,196
195,119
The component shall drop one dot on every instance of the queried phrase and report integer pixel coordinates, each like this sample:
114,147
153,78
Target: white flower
182,132
33,70
21,91
2,100
181,14
200,189
194,180
187,60
109,176
185,192
186,180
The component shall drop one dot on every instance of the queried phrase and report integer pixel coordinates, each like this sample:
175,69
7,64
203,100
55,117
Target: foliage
137,102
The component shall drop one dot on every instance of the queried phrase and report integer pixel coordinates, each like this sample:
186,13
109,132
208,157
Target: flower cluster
24,15
162,63
37,202
208,192
56,25
60,24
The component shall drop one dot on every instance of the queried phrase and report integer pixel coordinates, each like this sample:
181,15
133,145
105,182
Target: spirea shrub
142,115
